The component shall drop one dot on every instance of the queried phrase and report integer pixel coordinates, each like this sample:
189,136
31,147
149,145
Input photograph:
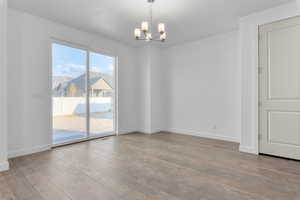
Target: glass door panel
69,101
101,94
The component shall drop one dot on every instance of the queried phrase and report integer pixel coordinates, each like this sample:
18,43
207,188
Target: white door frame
115,93
248,60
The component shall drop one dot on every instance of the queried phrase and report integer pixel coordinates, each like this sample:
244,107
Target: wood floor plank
162,166
20,187
5,191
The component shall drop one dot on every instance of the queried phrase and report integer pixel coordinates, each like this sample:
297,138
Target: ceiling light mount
145,32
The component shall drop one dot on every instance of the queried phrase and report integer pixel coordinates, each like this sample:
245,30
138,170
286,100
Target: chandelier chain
151,17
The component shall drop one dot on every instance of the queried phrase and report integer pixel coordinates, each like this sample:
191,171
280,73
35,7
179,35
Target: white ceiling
185,20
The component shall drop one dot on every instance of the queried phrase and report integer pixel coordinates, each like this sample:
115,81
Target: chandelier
145,32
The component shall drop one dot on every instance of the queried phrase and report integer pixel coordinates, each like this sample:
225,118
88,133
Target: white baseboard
126,132
152,131
247,149
139,131
27,151
204,135
4,166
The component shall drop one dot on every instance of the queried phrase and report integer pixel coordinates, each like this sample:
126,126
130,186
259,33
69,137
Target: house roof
101,84
79,82
59,80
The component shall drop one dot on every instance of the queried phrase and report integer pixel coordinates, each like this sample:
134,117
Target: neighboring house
56,80
101,85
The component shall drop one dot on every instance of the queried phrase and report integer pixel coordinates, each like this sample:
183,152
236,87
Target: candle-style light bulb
137,33
145,26
161,28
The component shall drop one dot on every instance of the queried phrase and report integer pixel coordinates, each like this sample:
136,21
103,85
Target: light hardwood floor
158,167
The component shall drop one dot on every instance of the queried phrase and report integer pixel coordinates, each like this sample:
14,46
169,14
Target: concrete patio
73,127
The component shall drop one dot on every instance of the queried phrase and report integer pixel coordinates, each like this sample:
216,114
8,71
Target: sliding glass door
82,94
101,82
69,100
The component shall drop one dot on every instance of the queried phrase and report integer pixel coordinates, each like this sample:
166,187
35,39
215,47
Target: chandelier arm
141,39
152,40
145,33
157,40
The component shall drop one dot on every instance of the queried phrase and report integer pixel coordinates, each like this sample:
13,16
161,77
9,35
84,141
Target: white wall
144,88
158,78
249,63
202,87
151,110
3,94
29,97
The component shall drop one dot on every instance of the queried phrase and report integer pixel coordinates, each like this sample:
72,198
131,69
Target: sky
71,62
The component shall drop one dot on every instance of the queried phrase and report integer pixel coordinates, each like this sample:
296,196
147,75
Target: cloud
111,67
75,70
69,70
95,69
102,69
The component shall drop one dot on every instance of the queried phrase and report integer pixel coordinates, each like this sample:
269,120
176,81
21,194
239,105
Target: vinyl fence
77,105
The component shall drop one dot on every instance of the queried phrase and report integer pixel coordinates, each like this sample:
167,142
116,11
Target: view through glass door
101,96
78,114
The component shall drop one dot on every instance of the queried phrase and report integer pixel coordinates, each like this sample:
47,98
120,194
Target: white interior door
280,88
